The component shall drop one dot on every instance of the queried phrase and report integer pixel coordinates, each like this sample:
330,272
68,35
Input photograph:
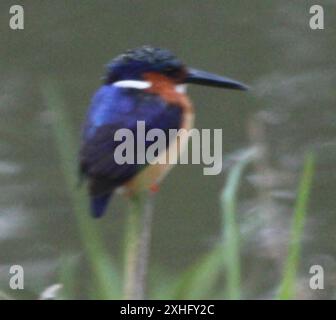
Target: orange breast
154,174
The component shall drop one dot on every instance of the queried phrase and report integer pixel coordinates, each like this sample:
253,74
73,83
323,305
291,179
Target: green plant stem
287,286
230,227
137,244
105,275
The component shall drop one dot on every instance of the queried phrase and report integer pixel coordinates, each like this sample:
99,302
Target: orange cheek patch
165,88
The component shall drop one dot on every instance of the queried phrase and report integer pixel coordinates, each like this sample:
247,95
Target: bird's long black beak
209,79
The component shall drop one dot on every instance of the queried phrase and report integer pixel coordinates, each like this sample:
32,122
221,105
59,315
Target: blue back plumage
98,204
114,108
108,104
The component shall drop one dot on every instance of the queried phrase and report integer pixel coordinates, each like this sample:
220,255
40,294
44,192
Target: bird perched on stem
145,84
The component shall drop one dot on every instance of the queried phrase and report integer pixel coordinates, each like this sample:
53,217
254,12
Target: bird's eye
169,69
172,71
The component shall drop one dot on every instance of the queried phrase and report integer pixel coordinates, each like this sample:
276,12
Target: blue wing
111,109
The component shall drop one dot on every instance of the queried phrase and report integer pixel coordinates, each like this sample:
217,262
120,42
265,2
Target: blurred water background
290,109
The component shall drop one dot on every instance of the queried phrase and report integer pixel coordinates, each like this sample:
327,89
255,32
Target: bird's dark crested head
133,64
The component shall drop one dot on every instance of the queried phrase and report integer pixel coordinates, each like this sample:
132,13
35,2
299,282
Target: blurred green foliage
200,280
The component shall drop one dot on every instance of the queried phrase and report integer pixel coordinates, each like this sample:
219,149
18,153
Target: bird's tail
99,204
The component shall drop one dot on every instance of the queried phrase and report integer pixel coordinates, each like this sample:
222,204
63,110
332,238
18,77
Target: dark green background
267,44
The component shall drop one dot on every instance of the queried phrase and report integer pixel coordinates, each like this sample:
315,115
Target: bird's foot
154,188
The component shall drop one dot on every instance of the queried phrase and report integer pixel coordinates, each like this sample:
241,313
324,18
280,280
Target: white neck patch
138,84
134,84
181,88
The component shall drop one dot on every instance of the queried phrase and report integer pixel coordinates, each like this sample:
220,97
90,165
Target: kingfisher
144,84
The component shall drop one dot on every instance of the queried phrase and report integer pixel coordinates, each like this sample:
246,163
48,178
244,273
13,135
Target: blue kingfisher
145,84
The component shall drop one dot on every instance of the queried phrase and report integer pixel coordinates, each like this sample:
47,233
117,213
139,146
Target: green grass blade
197,282
287,286
231,252
105,274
